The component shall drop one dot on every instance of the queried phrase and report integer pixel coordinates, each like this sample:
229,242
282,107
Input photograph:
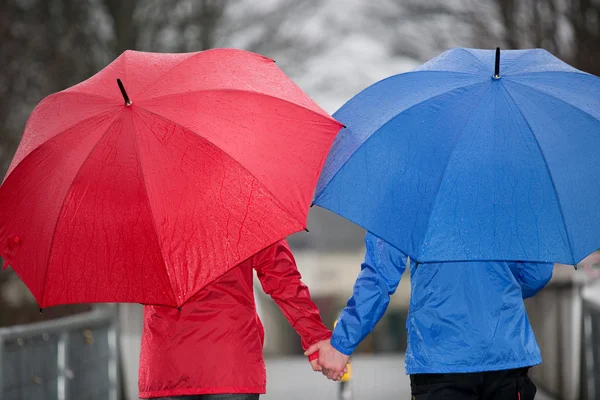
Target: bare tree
39,58
570,29
584,17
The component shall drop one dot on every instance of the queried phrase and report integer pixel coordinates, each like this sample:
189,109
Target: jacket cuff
337,344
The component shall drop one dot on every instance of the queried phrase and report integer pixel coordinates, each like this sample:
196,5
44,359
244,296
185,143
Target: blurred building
329,258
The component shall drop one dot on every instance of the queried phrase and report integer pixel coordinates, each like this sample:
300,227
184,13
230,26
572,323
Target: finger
315,366
334,376
312,349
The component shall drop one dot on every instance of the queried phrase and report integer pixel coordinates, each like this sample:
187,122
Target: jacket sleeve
532,277
280,279
379,277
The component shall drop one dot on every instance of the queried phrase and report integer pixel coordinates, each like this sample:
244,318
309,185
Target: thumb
315,347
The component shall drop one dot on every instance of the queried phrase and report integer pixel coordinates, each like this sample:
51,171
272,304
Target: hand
332,362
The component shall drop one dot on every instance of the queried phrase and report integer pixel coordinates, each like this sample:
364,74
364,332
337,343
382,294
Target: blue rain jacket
463,316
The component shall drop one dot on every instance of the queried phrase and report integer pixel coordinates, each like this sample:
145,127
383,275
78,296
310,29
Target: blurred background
332,49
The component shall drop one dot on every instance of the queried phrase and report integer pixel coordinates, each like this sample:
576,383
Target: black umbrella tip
124,93
41,309
306,229
497,66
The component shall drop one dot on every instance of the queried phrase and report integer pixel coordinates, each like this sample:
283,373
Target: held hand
332,362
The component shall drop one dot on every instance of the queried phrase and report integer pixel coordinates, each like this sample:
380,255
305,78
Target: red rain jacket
214,345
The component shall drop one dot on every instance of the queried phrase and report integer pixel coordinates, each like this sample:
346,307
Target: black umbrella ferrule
497,67
124,93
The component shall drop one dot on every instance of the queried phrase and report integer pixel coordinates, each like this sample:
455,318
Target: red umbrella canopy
214,157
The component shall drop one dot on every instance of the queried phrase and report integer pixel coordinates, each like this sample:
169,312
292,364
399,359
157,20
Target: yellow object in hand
348,375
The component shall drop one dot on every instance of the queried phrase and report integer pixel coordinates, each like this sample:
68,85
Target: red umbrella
212,157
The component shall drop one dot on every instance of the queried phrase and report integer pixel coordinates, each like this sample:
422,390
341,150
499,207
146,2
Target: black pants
236,396
512,384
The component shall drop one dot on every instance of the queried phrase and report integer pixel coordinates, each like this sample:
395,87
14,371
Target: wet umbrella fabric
209,158
449,162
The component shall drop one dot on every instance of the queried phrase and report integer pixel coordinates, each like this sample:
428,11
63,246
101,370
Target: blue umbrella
472,158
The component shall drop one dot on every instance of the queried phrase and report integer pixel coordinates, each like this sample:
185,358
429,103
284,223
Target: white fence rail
64,359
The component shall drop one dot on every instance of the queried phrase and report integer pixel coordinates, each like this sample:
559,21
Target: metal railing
70,358
591,348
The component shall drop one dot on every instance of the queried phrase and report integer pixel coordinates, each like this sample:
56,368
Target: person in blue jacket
469,336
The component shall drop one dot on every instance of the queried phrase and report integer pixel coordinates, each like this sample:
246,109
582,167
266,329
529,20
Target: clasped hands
331,362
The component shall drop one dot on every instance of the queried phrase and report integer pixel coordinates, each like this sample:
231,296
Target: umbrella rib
139,159
375,131
65,201
302,224
560,208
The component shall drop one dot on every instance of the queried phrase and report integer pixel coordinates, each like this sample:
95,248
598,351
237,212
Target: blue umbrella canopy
473,157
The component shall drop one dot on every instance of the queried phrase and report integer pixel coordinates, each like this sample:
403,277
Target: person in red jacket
211,348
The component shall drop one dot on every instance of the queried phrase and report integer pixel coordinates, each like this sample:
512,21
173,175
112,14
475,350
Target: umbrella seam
60,212
486,66
158,78
54,137
375,131
139,159
544,92
302,224
529,52
513,62
401,75
520,74
560,208
67,91
421,71
324,115
450,153
193,55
